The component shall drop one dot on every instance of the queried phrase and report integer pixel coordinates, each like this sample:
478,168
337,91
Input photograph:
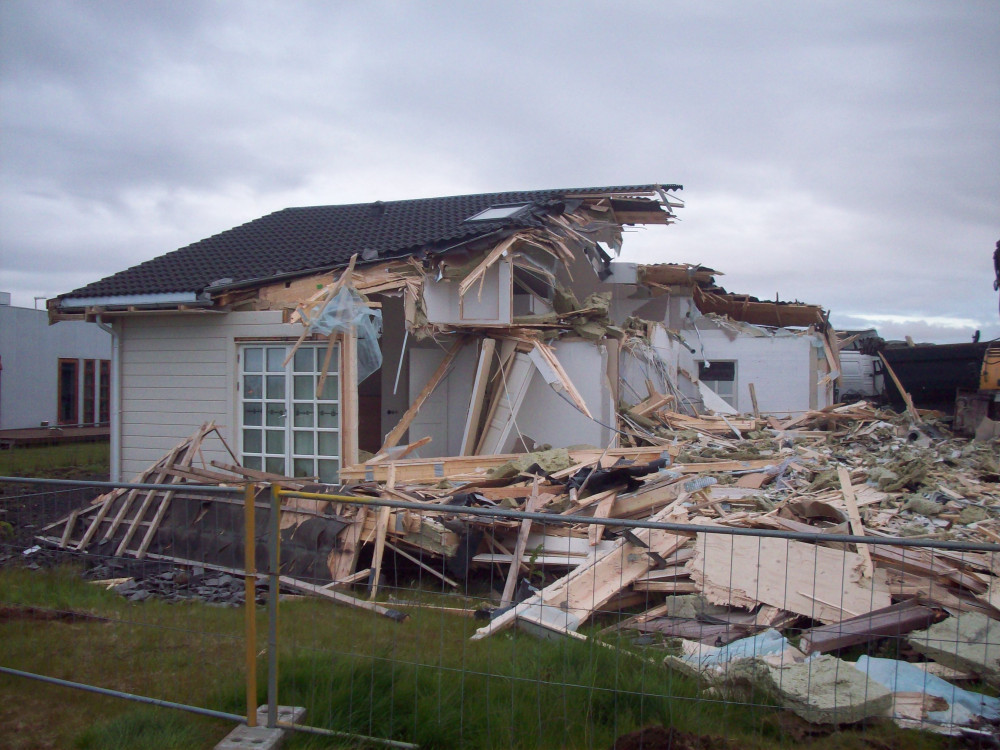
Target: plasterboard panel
502,430
443,413
443,304
548,418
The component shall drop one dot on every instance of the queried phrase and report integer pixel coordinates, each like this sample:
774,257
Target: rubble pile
800,604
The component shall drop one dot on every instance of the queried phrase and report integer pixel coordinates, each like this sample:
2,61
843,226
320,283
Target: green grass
419,681
66,460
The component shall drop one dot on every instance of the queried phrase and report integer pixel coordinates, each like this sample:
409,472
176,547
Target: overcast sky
840,153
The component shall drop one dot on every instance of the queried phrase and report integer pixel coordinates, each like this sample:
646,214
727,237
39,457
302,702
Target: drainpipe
116,390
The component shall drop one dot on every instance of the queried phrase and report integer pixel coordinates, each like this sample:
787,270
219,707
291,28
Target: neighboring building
505,324
52,375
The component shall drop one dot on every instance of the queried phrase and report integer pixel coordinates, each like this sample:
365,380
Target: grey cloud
867,134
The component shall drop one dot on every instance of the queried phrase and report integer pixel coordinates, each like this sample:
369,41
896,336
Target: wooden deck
52,435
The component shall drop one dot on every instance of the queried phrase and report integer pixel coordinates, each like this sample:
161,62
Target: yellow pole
274,554
250,603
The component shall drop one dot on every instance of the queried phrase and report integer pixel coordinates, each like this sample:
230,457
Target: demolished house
479,354
488,323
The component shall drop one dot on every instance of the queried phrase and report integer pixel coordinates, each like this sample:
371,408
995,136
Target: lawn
419,681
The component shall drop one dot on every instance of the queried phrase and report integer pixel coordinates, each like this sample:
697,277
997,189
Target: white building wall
490,303
783,368
546,417
179,371
30,350
444,413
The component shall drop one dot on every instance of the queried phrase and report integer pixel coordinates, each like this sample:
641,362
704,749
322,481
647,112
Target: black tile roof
322,237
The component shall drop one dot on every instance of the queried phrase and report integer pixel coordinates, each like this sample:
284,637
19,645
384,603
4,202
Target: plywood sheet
818,582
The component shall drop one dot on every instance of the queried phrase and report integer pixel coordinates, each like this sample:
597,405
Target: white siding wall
179,371
30,349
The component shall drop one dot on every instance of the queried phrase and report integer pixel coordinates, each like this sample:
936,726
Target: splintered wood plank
96,522
511,393
136,521
404,423
817,582
68,530
911,410
854,515
342,562
492,257
478,395
531,506
603,510
154,524
336,596
380,531
418,470
566,603
183,455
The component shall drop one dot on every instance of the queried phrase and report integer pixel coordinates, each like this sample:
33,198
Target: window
721,378
104,395
498,212
89,390
69,371
285,426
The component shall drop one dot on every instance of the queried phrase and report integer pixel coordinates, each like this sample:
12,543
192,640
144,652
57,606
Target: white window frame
724,389
310,444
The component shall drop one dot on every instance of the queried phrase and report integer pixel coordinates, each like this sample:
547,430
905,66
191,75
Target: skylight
497,212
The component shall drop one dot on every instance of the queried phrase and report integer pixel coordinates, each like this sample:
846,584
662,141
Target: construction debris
849,469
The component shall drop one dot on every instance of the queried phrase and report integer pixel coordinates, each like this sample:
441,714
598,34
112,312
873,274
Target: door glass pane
304,388
276,442
251,414
321,358
304,414
275,465
329,415
252,387
276,386
275,357
304,443
331,389
251,441
303,467
328,471
253,359
252,462
275,415
305,359
328,443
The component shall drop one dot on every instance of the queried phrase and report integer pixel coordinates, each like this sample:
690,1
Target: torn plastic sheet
770,642
345,312
903,677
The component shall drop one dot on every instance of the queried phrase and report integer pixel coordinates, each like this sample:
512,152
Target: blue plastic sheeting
903,677
347,311
762,644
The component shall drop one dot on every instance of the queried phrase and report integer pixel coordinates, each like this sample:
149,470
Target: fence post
274,549
250,598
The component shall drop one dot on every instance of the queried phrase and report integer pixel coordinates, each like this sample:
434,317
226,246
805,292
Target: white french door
285,426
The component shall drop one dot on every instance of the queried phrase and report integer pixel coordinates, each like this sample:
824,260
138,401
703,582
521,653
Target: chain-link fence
583,630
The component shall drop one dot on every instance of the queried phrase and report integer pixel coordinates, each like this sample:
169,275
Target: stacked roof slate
318,238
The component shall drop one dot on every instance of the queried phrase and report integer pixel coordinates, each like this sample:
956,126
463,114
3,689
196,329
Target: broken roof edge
157,275
748,309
